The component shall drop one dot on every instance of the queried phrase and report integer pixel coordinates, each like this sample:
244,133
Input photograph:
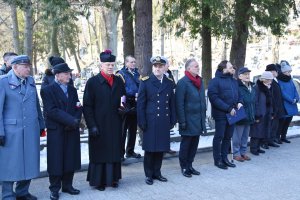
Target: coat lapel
30,88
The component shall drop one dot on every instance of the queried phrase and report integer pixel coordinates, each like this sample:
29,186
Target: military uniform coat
100,109
156,112
60,111
20,122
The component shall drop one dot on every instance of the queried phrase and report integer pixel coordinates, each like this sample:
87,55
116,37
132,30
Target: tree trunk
109,27
73,51
16,39
53,41
127,29
28,30
240,33
275,49
143,35
162,32
206,45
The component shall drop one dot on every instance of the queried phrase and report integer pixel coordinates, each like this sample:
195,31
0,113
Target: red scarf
195,80
110,79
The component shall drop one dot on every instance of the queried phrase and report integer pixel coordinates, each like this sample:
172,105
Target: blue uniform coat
190,107
156,112
20,122
63,147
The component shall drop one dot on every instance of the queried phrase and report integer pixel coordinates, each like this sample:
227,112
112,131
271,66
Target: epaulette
144,78
121,76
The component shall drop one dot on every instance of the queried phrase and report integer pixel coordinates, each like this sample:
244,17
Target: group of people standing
269,105
115,104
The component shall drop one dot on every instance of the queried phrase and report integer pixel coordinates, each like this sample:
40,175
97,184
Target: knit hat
285,66
54,60
267,75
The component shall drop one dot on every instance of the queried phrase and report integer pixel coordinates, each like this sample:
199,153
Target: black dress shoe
101,188
160,178
149,180
221,165
228,164
54,196
115,185
264,146
27,197
261,151
71,191
194,172
186,173
254,153
278,141
272,144
285,140
133,155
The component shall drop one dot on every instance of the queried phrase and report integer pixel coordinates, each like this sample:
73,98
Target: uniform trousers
129,127
8,193
152,163
188,149
57,182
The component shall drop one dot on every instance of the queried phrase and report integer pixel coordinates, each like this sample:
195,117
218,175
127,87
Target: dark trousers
279,129
129,127
188,149
283,126
152,163
222,139
274,129
255,144
65,181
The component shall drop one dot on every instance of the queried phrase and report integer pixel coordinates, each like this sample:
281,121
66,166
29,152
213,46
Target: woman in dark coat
260,130
101,102
191,114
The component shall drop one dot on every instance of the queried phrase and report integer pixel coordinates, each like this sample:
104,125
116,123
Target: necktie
23,86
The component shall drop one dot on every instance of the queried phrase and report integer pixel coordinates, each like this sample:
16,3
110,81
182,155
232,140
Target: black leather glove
182,126
143,127
75,124
123,110
2,141
93,132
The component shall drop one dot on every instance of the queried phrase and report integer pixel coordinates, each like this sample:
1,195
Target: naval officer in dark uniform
156,116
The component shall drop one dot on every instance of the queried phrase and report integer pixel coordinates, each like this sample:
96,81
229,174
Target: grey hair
188,62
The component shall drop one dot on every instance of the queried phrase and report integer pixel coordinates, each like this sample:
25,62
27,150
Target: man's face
245,77
63,77
229,68
194,68
275,74
9,60
108,67
22,70
130,63
158,69
167,67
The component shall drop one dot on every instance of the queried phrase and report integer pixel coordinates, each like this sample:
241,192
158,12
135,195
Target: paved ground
274,175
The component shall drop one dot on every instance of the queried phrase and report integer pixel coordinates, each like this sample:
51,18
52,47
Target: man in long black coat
101,102
62,112
156,116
